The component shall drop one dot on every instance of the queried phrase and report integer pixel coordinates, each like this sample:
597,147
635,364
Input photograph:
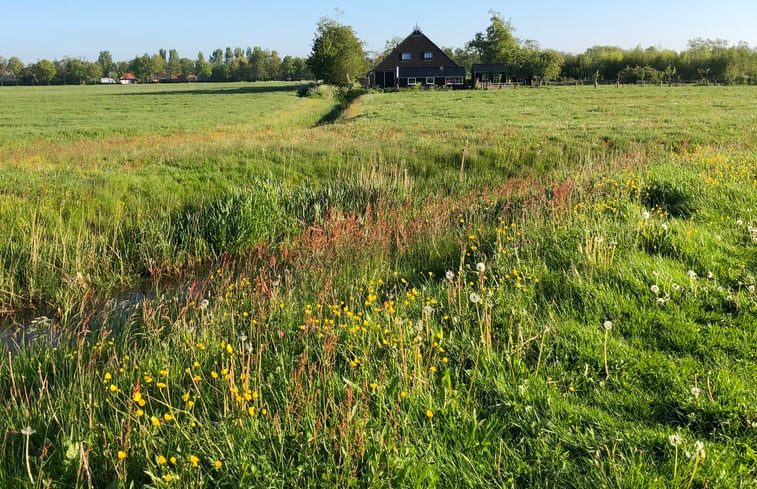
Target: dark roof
416,44
488,68
432,71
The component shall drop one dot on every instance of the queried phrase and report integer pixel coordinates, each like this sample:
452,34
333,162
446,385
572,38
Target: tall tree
498,44
174,62
105,60
16,68
288,69
337,55
141,67
203,69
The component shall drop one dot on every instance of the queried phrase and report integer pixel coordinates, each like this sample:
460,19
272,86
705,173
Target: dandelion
739,222
655,289
172,460
660,301
107,376
450,275
161,460
154,421
251,410
428,310
113,388
675,440
217,464
204,304
607,325
481,267
750,289
429,413
474,298
645,215
695,391
699,450
121,455
194,460
691,274
664,227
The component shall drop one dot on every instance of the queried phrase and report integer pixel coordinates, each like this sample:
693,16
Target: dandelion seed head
607,325
675,440
645,214
474,298
204,304
481,267
655,289
695,391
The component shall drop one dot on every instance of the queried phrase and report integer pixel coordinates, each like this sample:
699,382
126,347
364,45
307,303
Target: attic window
405,57
428,55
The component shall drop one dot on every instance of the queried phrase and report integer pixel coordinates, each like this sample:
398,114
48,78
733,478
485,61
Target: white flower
450,275
660,301
739,222
645,215
474,298
664,227
675,440
750,289
699,449
692,274
607,325
695,391
28,431
480,266
428,310
655,289
204,304
709,275
676,287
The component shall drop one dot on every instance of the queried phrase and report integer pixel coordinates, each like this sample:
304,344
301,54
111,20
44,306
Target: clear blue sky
82,28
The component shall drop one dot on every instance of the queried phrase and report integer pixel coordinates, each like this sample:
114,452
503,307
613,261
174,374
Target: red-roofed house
128,79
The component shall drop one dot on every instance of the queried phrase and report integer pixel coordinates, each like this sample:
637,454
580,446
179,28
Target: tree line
338,57
237,64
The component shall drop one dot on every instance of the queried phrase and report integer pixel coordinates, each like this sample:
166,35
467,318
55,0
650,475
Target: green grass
326,347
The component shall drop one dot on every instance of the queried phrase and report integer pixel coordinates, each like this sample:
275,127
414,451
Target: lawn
529,288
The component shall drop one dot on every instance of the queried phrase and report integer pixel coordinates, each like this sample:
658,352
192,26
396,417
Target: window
405,57
453,80
429,80
410,82
428,55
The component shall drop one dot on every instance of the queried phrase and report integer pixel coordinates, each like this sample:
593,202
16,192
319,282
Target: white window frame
433,80
411,82
406,57
428,55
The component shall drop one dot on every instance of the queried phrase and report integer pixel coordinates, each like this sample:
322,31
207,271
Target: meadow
529,288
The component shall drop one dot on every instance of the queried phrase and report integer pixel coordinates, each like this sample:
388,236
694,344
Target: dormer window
428,55
405,57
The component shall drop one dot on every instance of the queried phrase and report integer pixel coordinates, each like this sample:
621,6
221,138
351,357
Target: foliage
337,55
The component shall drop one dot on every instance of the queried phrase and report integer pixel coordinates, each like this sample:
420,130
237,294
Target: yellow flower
139,412
163,372
160,385
168,417
161,460
172,460
113,388
169,477
121,455
107,376
373,385
429,414
229,349
154,421
251,410
137,396
214,374
194,460
185,397
218,464
148,379
403,394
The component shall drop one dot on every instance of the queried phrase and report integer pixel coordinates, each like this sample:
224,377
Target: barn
417,61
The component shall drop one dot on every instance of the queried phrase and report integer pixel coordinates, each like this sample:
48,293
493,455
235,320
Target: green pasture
525,288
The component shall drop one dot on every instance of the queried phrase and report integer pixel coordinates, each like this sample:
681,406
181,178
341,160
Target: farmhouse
127,79
417,60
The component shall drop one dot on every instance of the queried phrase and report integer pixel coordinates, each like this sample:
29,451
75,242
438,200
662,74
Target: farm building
417,60
127,79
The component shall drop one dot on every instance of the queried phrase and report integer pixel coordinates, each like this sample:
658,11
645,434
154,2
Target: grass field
526,288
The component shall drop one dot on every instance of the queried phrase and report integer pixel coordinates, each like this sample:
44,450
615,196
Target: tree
105,60
186,67
337,55
216,58
43,71
174,62
141,67
287,68
203,69
273,66
498,45
158,67
16,68
546,65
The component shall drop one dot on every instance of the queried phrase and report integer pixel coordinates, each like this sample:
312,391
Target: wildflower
168,417
692,274
645,215
739,222
148,379
154,421
675,440
251,410
204,304
107,376
750,289
655,289
281,334
474,298
699,449
428,310
450,275
664,227
429,413
139,412
660,301
163,373
160,385
28,431
607,325
169,477
403,394
161,460
172,460
481,267
695,391
217,464
194,460
121,455
113,388
709,275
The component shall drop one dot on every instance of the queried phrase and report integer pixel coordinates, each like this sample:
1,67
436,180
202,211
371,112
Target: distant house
127,79
417,60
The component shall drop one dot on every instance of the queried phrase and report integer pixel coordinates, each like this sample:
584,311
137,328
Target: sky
47,29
